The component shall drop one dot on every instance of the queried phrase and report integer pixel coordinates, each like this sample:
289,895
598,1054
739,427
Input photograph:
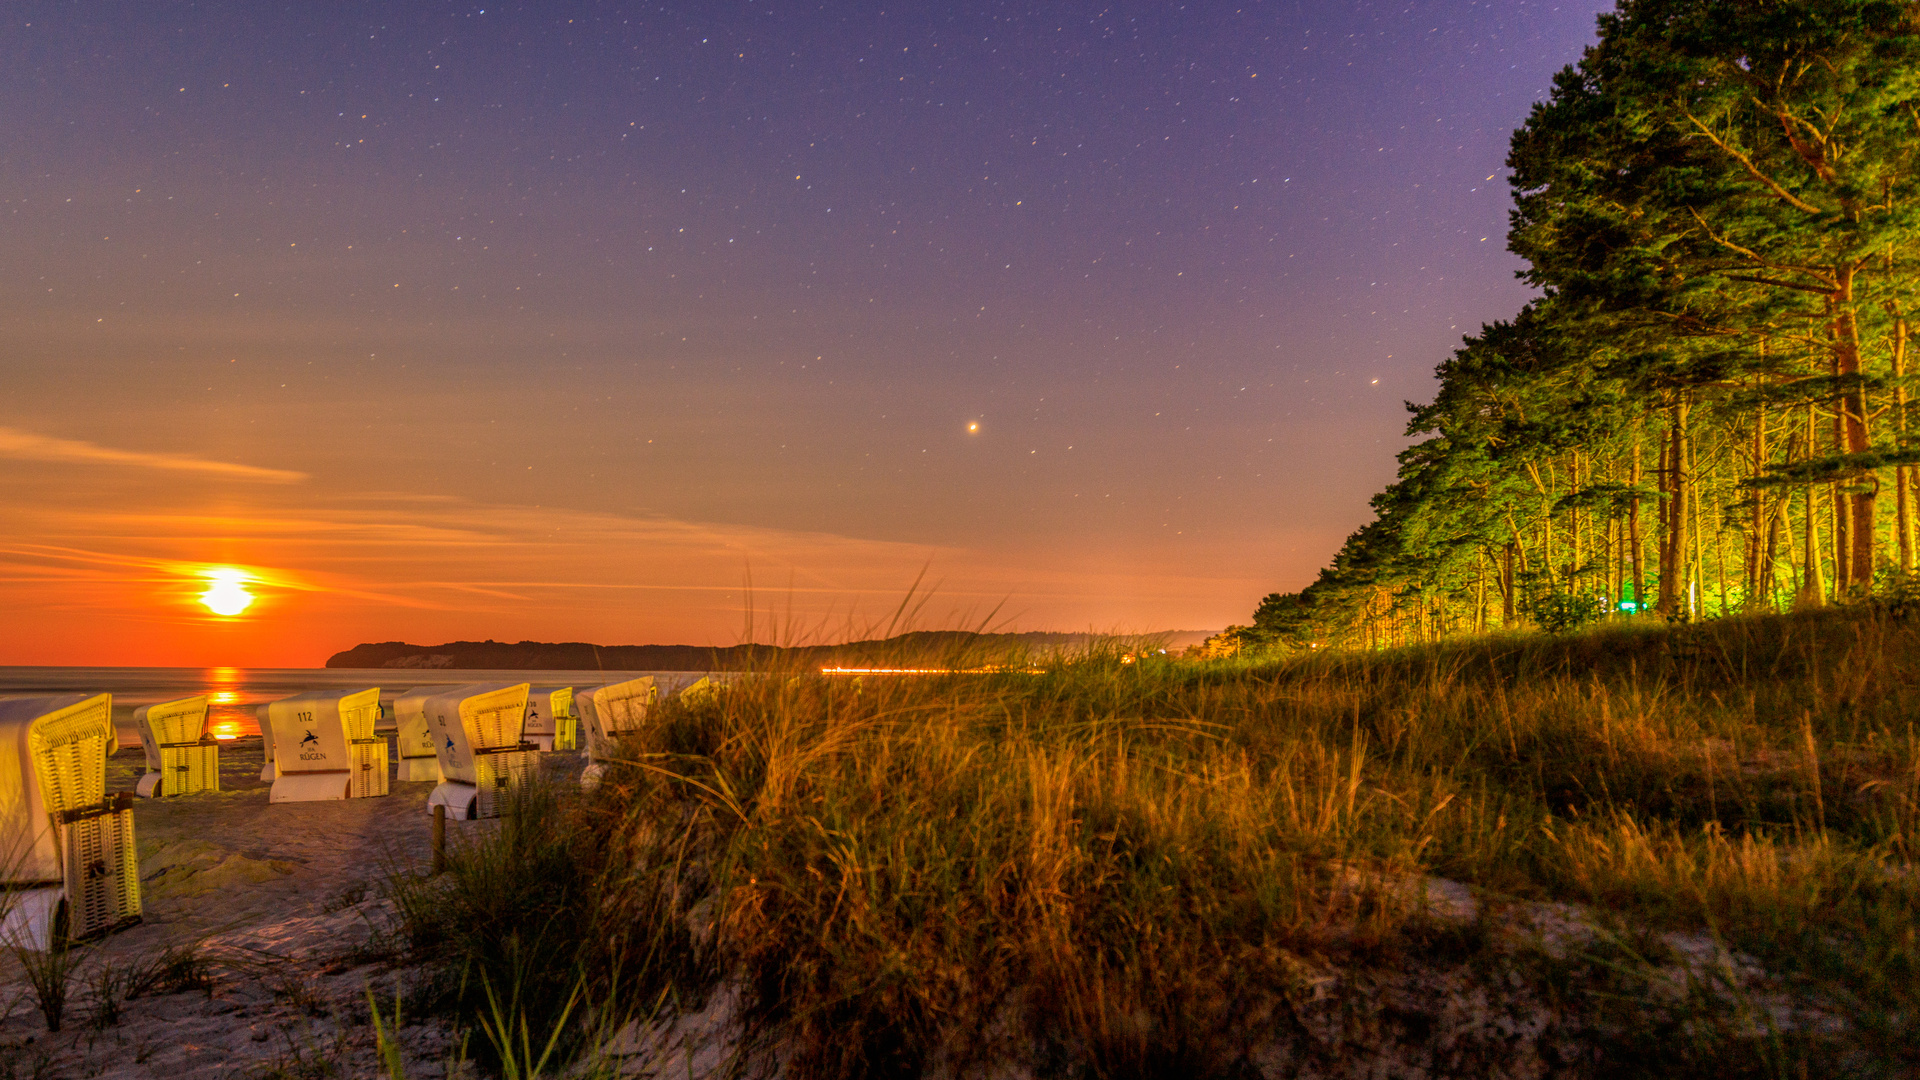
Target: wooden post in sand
439,840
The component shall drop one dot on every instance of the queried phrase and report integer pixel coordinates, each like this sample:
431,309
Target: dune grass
1117,867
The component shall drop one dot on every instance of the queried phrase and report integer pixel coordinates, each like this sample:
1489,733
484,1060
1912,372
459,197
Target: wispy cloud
45,563
29,446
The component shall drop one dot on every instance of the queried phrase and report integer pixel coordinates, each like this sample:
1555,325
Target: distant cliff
943,648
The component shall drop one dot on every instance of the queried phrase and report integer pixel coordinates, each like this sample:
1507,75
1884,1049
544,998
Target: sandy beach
281,901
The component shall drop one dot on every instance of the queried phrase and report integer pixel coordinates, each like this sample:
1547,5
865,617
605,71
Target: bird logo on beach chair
310,748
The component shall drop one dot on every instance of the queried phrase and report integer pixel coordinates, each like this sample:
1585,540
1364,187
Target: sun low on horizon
226,594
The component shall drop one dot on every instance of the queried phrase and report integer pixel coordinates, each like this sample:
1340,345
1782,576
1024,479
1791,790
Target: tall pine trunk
1902,495
1813,586
1765,579
1857,508
1506,586
1673,516
1759,538
1633,537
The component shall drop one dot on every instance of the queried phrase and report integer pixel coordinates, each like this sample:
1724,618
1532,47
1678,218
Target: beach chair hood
53,758
482,717
610,711
180,760
170,723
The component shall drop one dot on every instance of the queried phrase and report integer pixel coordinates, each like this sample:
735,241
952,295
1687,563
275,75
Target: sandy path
265,862
280,898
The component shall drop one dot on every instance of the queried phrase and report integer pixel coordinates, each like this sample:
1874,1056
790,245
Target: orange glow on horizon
324,578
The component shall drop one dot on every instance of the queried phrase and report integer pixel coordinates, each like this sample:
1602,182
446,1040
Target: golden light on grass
990,669
1252,813
227,593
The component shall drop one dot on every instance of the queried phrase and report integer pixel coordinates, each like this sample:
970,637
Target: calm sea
235,691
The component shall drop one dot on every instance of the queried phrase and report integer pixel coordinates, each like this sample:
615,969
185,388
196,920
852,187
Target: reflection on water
225,720
233,692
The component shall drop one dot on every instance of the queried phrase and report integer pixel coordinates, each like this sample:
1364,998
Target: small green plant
299,992
387,1045
509,1033
176,968
109,986
49,974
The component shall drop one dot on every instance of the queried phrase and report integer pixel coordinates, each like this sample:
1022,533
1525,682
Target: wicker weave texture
103,873
608,712
494,720
500,777
172,722
70,754
189,769
627,712
369,769
359,713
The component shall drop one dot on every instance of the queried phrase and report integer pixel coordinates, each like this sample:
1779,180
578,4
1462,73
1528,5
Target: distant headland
944,648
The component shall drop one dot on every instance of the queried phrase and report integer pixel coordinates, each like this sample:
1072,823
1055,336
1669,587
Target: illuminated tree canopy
1706,410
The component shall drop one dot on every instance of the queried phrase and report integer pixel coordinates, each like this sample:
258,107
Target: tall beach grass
1116,866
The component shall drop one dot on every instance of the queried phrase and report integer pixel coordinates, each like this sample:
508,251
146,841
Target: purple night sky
559,321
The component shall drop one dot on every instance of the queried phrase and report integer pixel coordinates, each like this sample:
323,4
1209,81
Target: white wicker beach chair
182,758
477,732
548,709
67,856
413,738
324,746
608,712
